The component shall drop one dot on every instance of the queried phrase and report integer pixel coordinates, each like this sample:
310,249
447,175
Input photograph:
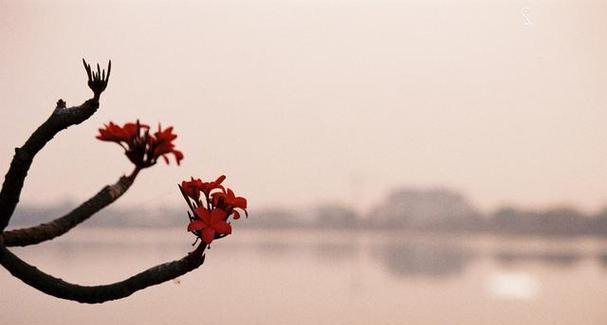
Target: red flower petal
217,216
240,202
196,225
203,214
223,228
208,234
191,188
230,194
166,160
178,156
220,179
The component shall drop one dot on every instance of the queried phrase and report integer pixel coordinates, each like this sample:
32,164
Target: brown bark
47,231
98,294
61,119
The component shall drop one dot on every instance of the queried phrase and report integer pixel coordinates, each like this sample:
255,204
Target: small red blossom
142,148
115,133
229,202
208,187
163,144
210,224
209,218
192,187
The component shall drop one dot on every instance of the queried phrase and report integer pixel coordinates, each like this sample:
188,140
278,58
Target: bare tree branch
47,231
97,81
60,119
97,294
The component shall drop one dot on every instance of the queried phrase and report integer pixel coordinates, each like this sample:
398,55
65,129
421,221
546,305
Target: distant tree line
440,210
437,210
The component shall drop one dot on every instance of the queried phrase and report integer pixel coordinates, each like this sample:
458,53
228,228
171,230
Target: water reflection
411,258
514,285
324,251
558,258
339,277
275,248
602,259
333,252
420,256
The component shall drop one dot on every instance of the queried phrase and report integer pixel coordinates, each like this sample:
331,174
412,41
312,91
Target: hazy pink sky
299,101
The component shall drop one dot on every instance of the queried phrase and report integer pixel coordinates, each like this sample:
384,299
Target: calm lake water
310,277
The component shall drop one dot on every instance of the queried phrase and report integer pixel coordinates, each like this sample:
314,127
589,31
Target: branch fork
62,118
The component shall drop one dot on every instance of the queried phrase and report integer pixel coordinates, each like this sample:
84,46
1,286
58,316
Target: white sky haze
303,101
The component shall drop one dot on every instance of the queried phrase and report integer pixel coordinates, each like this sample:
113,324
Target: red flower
209,218
115,133
207,187
163,144
142,148
192,188
210,224
229,201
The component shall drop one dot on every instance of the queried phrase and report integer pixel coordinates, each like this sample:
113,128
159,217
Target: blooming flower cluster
141,147
211,206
